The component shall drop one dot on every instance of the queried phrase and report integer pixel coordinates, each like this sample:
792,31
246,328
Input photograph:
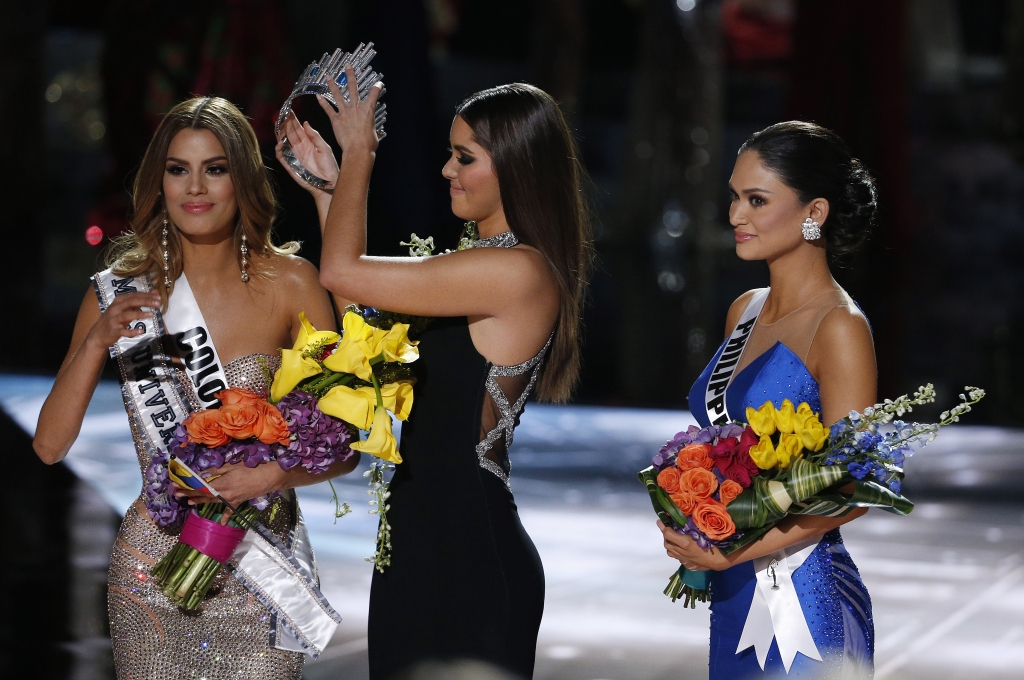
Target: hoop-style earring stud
811,230
245,260
167,256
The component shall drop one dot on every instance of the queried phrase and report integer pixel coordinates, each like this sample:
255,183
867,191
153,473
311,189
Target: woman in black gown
465,581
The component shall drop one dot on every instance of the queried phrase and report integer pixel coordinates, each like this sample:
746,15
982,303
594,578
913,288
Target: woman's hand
237,483
683,548
312,151
113,323
353,122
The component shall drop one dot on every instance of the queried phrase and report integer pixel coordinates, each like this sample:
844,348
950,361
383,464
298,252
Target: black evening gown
465,580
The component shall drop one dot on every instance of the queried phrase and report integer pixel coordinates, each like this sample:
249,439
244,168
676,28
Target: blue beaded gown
832,595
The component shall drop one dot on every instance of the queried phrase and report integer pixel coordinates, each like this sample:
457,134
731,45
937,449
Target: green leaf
667,511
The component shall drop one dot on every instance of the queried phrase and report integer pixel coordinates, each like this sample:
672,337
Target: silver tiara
314,81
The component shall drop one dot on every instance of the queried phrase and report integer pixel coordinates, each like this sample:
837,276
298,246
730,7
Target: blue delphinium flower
858,470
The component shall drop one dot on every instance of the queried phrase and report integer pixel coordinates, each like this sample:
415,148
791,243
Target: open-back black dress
465,580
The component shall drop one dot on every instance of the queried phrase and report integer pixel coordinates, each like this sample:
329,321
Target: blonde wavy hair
140,250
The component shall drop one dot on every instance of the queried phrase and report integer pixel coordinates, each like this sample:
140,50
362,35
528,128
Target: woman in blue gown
798,200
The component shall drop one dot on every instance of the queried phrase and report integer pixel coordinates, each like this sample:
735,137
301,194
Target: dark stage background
661,93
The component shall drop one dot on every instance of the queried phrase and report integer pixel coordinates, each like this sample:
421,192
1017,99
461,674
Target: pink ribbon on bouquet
211,538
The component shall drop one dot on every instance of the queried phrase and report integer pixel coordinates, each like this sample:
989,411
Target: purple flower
256,453
696,534
730,430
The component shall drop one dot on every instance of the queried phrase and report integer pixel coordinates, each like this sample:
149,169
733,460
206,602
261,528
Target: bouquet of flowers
329,386
726,485
361,377
245,429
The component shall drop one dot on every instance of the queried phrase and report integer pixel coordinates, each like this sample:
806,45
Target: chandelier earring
167,256
245,259
811,230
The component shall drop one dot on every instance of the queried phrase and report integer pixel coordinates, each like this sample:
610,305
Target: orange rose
239,420
685,502
203,427
730,490
713,519
271,427
695,456
236,395
698,482
668,479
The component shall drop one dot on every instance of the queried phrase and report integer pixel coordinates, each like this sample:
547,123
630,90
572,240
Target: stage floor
947,582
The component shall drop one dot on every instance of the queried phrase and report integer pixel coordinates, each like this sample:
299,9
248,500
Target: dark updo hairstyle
816,163
539,176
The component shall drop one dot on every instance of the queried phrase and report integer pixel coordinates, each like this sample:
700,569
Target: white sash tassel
775,612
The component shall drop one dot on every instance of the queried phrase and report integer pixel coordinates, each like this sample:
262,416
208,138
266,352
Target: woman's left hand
353,122
237,483
311,150
683,548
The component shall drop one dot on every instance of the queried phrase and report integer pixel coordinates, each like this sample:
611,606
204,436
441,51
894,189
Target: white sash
185,323
283,578
775,611
725,367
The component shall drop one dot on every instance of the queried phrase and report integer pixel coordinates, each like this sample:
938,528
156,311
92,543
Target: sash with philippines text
283,578
725,367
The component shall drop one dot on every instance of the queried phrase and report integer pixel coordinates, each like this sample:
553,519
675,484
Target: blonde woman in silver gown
203,178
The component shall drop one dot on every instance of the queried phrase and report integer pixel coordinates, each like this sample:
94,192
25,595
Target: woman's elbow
340,284
47,453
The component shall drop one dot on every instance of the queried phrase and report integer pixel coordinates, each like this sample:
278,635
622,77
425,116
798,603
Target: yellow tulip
812,433
762,421
294,369
789,448
804,409
351,405
785,417
763,453
381,440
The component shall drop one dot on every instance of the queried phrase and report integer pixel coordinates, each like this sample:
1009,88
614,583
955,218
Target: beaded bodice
253,372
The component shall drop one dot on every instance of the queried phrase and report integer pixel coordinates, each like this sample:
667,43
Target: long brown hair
540,178
140,251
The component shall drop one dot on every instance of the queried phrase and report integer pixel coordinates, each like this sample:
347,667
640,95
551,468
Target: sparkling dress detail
229,637
832,595
465,580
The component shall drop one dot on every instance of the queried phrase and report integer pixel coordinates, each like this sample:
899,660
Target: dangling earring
245,261
167,256
811,230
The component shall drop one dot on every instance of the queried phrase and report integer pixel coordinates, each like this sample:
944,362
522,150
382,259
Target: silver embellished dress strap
508,412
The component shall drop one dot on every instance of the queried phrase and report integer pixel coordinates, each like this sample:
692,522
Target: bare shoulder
297,283
844,329
295,271
736,310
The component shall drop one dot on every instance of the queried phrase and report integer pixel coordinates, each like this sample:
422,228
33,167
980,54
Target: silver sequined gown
229,637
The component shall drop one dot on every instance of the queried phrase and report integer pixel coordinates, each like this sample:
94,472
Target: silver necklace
505,239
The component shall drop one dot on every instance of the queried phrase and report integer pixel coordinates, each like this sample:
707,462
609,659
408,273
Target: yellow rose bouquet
360,376
726,485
